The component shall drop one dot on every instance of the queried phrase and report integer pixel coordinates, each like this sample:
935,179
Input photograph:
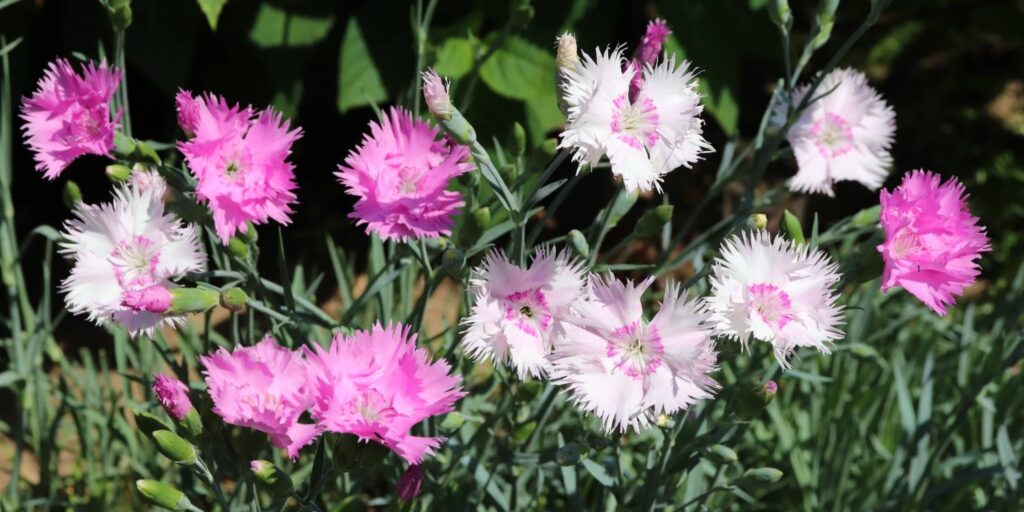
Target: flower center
528,310
904,243
635,123
135,261
832,135
770,304
87,125
373,407
636,349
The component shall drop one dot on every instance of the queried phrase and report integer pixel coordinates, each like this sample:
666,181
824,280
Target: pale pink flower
932,242
777,292
69,115
518,313
645,137
435,93
377,385
239,158
844,135
126,254
173,396
399,175
264,387
647,53
627,370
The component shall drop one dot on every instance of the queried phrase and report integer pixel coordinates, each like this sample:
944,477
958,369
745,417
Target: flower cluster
239,159
374,384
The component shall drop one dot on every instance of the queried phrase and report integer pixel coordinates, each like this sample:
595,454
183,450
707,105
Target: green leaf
454,58
276,27
598,472
523,71
359,82
212,9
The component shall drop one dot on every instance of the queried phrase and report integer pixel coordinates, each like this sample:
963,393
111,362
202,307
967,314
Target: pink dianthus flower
173,396
932,241
399,175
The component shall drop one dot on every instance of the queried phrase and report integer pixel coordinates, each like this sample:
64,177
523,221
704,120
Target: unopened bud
233,299
567,56
152,299
435,92
409,485
569,454
453,261
759,478
174,447
653,220
518,146
793,228
759,220
192,300
768,391
173,396
827,9
780,14
578,244
118,173
123,145
453,421
663,420
867,216
721,454
148,423
72,195
163,495
238,248
272,479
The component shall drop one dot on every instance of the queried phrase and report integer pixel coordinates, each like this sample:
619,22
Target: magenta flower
377,385
647,53
932,241
265,388
410,483
399,175
239,158
188,111
173,395
69,115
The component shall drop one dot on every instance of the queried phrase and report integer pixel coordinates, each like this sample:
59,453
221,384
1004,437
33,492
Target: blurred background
953,70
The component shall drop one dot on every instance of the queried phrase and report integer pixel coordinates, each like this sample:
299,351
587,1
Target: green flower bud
272,479
174,447
238,248
163,495
233,299
118,173
457,127
827,9
867,216
823,33
192,424
518,146
453,421
653,220
453,261
124,145
780,14
146,152
578,244
759,220
569,454
121,17
148,423
192,300
793,228
721,455
759,478
72,195
250,235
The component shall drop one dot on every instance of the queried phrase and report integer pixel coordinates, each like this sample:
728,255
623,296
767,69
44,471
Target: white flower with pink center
518,312
843,136
126,253
769,289
627,370
645,137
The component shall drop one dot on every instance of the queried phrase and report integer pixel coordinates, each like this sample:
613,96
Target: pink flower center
87,125
770,304
832,135
636,349
236,160
372,406
635,123
528,310
904,243
135,260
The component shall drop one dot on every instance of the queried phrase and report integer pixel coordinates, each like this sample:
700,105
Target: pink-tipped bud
435,92
768,391
409,484
173,395
154,299
567,56
188,111
647,53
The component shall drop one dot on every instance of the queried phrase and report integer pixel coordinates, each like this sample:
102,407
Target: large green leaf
359,81
276,27
454,58
212,9
520,70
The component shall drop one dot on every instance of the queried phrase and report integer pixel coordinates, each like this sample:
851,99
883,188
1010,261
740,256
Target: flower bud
867,216
768,391
123,146
72,195
238,248
793,228
569,454
827,10
759,478
518,146
663,420
452,421
759,220
781,16
163,495
567,56
192,300
435,92
578,244
453,261
148,423
173,396
272,479
233,299
121,17
409,485
153,299
118,173
653,220
721,455
174,447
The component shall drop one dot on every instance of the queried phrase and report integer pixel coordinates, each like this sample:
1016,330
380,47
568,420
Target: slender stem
423,19
603,229
556,203
705,495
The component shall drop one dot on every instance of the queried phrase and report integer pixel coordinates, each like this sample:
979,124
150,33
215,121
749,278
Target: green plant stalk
421,29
